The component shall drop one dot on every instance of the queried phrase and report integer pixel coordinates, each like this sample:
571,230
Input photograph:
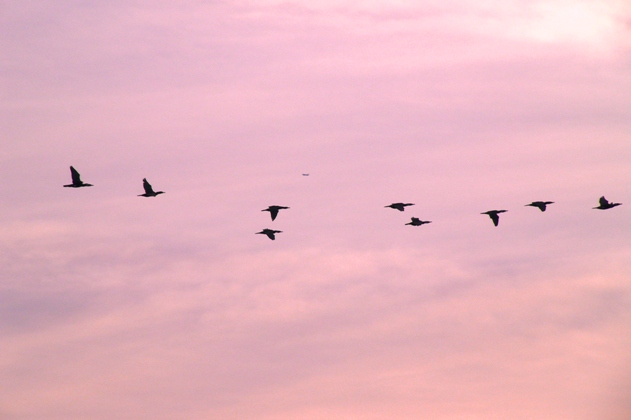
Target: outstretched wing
270,234
147,186
603,201
76,178
495,218
273,211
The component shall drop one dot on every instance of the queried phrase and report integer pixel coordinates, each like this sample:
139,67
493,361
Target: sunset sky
114,306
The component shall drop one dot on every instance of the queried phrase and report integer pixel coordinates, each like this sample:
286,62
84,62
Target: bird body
270,233
273,210
76,180
418,222
149,192
494,215
399,206
604,204
541,205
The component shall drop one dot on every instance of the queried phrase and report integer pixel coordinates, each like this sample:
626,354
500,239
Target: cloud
268,325
118,306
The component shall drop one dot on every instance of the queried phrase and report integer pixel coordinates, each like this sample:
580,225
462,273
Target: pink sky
114,306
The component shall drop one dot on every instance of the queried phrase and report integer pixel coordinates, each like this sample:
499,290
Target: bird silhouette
541,205
76,180
604,204
417,222
399,206
494,215
148,190
270,233
273,210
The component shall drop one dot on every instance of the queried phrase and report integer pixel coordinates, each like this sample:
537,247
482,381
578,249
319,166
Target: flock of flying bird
603,204
77,183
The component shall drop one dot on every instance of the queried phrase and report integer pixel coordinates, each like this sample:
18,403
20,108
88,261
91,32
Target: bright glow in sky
119,306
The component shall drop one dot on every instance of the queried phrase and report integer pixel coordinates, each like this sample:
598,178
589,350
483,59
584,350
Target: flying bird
604,204
273,210
305,174
148,190
417,222
541,205
270,233
76,180
399,206
494,215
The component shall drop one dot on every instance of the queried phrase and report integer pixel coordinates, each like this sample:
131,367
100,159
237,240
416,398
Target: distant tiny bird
273,210
604,204
399,206
305,174
148,190
76,180
270,233
541,205
417,222
494,215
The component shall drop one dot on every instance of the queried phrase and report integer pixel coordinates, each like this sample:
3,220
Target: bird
604,204
494,215
273,210
148,190
399,206
541,205
270,233
76,180
305,174
417,222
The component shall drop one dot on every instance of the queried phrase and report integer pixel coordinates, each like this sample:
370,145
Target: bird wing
603,201
270,234
273,211
495,218
147,186
76,178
